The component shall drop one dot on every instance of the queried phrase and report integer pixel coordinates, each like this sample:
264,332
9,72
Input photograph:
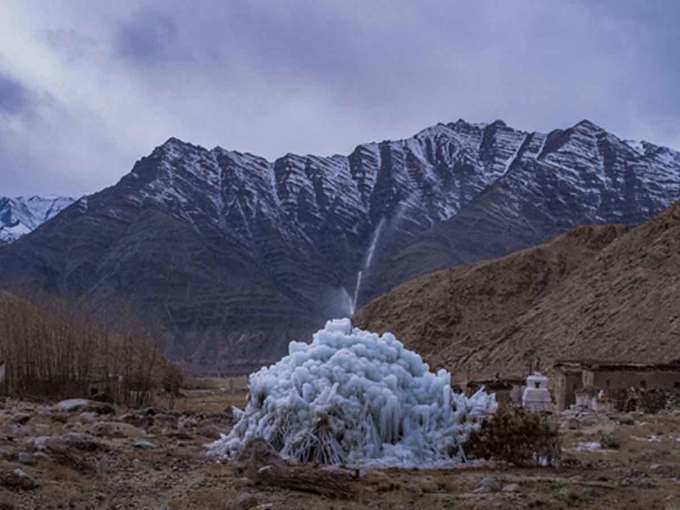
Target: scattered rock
609,441
21,418
143,444
116,429
88,417
256,454
165,420
626,419
489,484
589,446
26,458
182,435
59,417
18,480
511,487
210,431
666,470
588,421
638,479
69,440
138,420
245,501
84,405
73,404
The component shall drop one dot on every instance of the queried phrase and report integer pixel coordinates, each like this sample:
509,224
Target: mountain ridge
236,255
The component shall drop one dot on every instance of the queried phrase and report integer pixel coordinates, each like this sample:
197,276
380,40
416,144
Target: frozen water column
536,396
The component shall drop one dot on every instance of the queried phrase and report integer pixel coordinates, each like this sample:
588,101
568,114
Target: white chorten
536,396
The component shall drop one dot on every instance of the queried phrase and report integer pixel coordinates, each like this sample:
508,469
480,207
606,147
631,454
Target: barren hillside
600,292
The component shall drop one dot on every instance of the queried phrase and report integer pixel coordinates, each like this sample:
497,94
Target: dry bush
649,401
519,437
52,349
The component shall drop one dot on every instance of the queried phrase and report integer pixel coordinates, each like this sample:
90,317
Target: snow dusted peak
175,148
21,215
434,131
175,142
469,129
637,145
587,126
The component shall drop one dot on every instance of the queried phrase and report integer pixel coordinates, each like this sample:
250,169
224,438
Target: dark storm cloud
319,76
15,99
146,37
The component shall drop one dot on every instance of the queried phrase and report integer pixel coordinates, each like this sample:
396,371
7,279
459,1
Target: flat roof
589,364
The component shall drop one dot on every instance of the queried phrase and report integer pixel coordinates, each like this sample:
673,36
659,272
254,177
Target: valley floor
155,459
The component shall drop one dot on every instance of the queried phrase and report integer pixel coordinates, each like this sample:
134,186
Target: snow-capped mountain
21,215
236,255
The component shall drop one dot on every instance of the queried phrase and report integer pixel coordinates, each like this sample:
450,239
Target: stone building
608,380
507,390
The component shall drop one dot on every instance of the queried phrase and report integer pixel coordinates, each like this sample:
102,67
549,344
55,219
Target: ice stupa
355,398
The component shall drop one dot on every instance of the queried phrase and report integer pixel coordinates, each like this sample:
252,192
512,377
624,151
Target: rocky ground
83,455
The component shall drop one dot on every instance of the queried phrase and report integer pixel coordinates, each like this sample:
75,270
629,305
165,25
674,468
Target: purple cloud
319,77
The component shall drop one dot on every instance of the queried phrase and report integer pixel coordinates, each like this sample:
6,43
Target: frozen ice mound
355,398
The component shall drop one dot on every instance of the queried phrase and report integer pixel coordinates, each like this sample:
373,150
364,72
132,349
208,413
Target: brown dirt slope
598,292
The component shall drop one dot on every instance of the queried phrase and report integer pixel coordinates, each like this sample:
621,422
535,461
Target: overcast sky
88,87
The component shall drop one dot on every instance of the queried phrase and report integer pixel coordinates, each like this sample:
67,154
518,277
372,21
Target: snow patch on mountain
21,215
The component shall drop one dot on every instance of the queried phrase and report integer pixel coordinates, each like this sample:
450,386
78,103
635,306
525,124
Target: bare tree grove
51,349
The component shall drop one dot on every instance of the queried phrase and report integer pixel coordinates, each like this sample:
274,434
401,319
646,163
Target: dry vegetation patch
52,349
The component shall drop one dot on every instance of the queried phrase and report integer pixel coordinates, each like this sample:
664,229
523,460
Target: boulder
256,454
21,418
143,444
69,440
17,479
84,405
489,484
116,429
73,404
26,458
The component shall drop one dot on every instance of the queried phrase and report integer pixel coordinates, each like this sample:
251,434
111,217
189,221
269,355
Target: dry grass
215,395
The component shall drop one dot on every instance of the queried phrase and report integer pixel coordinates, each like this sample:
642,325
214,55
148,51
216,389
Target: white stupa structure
536,397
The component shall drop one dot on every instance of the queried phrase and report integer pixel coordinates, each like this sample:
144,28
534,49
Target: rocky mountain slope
579,176
598,292
21,215
234,255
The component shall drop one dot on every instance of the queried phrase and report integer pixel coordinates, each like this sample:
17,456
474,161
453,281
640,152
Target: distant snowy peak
21,215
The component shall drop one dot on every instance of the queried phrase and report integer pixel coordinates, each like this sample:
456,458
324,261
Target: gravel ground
95,457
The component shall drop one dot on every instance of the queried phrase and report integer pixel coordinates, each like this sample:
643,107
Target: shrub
519,437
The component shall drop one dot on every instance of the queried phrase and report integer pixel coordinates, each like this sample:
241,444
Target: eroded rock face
238,255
